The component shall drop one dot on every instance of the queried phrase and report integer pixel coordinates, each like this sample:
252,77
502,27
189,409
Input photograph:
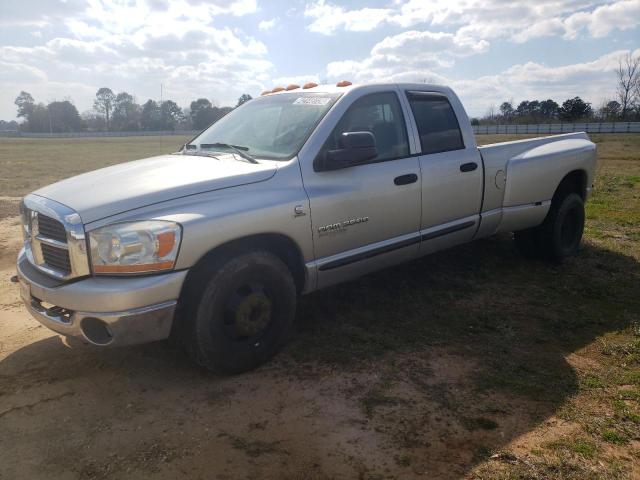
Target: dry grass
31,163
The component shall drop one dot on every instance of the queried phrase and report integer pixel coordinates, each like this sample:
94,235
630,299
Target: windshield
272,127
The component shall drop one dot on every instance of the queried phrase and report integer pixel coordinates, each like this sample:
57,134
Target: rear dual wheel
559,236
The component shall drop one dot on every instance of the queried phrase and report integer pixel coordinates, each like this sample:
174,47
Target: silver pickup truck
293,191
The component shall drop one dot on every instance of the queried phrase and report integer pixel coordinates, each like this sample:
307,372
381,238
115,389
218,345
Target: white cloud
136,46
17,72
484,19
602,20
436,12
415,44
418,57
328,18
544,28
594,81
407,54
266,25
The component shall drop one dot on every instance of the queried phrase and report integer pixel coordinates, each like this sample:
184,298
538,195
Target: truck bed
522,175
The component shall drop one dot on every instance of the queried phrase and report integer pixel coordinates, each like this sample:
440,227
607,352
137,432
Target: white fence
191,133
608,127
538,129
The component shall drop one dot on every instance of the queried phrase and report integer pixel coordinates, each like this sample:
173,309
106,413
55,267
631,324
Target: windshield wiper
236,148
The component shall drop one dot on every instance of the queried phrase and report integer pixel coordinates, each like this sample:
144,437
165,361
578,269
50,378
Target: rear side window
437,122
380,114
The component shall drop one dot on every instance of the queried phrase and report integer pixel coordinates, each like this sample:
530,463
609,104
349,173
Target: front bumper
104,311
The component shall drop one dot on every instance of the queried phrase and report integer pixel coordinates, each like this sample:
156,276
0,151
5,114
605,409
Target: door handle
468,167
406,179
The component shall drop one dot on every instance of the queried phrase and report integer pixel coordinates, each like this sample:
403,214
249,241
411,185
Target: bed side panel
534,175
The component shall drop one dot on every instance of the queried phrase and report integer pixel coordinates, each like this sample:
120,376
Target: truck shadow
425,368
482,343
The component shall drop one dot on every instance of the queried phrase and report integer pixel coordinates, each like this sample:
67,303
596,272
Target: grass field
30,163
470,363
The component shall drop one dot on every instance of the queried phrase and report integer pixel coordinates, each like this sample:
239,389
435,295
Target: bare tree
628,88
491,113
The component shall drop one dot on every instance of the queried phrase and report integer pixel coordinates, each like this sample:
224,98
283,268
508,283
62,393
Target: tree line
547,111
538,111
625,107
121,112
117,112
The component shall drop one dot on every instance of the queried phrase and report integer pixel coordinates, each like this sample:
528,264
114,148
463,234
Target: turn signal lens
164,243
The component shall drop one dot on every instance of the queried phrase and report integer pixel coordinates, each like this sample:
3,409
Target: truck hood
127,186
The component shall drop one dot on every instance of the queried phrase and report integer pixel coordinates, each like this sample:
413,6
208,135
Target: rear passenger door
451,173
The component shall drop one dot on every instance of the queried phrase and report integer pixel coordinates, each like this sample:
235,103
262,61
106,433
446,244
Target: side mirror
356,148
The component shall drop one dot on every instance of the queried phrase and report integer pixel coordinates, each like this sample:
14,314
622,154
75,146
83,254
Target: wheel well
573,182
280,245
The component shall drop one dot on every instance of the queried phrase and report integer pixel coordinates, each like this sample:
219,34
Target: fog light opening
96,331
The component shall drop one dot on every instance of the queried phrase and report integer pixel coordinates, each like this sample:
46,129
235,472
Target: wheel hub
252,314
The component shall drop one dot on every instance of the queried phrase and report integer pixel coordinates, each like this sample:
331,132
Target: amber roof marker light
266,92
310,85
277,89
343,83
293,86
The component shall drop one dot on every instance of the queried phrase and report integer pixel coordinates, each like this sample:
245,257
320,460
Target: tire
559,236
243,314
561,232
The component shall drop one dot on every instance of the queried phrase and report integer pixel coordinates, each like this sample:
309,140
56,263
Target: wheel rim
248,313
569,230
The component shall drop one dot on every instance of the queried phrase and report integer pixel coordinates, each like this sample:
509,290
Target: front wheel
244,315
560,234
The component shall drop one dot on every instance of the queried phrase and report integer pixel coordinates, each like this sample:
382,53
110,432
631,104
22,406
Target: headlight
136,247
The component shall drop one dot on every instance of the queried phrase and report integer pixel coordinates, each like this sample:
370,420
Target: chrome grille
51,228
57,258
54,238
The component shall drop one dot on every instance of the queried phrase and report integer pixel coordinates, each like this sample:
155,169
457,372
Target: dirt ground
472,363
71,411
79,412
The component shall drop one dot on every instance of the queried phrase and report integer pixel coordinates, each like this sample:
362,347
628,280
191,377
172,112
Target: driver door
366,217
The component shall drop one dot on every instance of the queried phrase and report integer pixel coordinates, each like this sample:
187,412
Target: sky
489,51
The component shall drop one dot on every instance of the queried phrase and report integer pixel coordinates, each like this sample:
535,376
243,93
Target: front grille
54,238
51,228
56,257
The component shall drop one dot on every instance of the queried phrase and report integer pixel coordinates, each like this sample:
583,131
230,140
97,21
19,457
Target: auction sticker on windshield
312,100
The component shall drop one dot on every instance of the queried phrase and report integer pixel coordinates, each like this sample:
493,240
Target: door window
436,121
380,114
